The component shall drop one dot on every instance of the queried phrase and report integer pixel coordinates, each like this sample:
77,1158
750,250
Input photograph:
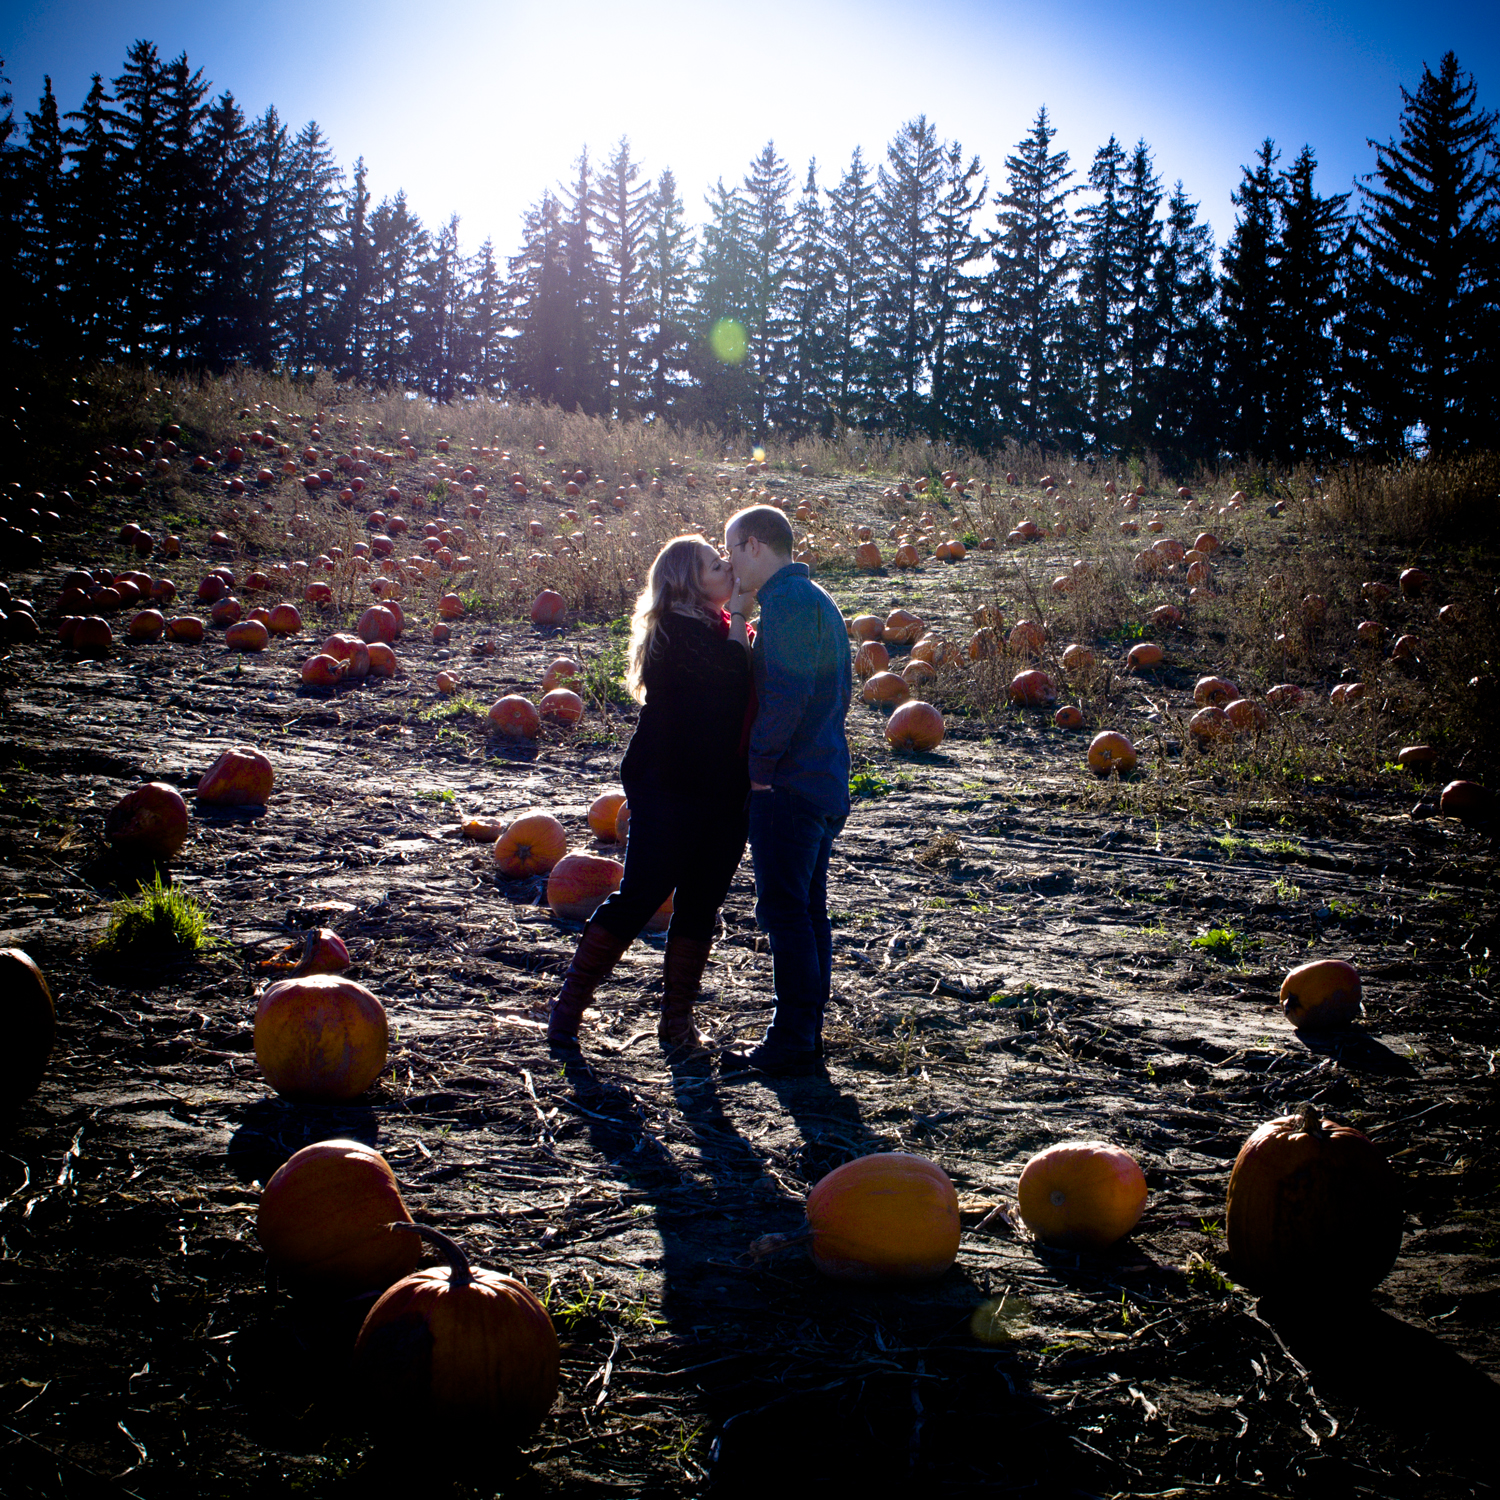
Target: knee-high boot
598,952
686,959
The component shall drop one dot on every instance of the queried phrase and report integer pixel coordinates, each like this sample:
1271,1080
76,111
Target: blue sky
474,108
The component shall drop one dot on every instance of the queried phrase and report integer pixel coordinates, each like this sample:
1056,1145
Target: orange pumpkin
918,673
1215,690
1245,715
1144,654
1210,723
286,619
872,657
1286,695
320,1037
377,624
1069,716
562,671
247,635
549,608
383,661
30,1020
451,607
885,687
1076,658
531,845
1320,995
460,1345
515,717
602,813
1313,1208
352,651
867,555
915,726
240,777
1465,800
1034,689
447,683
1026,638
152,820
892,1216
322,671
579,882
148,625
906,556
1082,1195
325,1217
902,627
866,627
1416,755
1109,751
561,706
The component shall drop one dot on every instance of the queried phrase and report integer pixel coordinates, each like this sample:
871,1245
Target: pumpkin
377,624
450,606
1416,755
602,813
226,612
152,821
1215,690
1413,582
892,1216
1286,695
320,1037
1165,615
447,682
92,636
515,717
1069,716
1076,658
622,823
885,687
934,649
148,625
914,726
906,556
1466,800
286,619
530,845
352,651
1082,1195
325,1218
247,635
460,1345
918,673
1109,750
240,777
1026,638
383,661
322,671
866,627
1313,1208
1144,654
579,882
902,627
1322,994
549,608
1206,542
1210,723
1033,689
30,1020
1369,632
561,706
563,670
867,555
872,657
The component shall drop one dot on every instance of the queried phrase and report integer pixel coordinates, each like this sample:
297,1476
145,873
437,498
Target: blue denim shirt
803,683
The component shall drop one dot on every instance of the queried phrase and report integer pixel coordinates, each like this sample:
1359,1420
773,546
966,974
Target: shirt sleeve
788,648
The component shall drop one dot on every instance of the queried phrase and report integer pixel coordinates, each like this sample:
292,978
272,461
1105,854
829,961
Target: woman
685,777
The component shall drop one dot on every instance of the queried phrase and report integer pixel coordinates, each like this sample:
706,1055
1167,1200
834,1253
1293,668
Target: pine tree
398,242
1102,295
666,269
225,317
354,257
1307,261
851,237
537,296
622,216
1246,310
1142,332
768,230
182,171
437,319
135,126
1180,393
313,221
12,217
803,403
41,247
92,251
1428,333
484,322
583,377
270,206
954,295
907,191
1034,258
722,388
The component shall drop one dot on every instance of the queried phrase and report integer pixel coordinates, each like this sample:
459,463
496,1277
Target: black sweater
690,738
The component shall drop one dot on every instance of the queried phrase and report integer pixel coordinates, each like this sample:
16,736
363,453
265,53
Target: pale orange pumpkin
549,608
1215,690
579,882
240,777
515,717
561,706
352,651
383,661
247,635
866,627
1210,723
151,820
867,555
902,627
1069,716
1110,750
602,814
322,671
1033,689
1077,659
885,687
872,657
1082,1195
563,670
1144,654
325,1217
1322,994
286,619
915,726
320,1037
1026,638
531,845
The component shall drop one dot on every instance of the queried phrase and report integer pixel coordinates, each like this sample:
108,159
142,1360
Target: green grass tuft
160,923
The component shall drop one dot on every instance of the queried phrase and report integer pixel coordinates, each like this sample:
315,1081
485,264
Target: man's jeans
790,841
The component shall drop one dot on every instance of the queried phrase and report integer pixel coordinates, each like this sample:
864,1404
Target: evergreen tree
1181,394
398,243
954,296
537,295
437,321
313,221
354,257
1033,251
1428,331
136,140
803,401
225,330
623,212
1142,331
41,243
271,189
1247,310
584,379
666,270
851,238
907,191
1306,277
1102,294
182,170
768,231
11,219
92,251
484,323
723,386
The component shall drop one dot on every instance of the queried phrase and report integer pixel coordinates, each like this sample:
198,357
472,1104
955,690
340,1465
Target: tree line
1089,312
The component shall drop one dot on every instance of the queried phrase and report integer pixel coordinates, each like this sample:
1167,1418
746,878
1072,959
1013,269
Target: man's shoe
767,1063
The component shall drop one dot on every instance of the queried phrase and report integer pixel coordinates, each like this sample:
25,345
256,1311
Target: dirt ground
1014,966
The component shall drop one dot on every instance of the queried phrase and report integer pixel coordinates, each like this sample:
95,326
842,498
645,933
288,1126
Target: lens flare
759,455
998,1320
727,340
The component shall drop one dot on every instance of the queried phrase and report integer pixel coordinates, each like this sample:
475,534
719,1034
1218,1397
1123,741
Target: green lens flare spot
728,341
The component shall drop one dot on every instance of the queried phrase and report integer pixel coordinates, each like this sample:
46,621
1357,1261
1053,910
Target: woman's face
715,576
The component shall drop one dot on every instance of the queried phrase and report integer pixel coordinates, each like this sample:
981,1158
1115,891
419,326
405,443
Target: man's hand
756,786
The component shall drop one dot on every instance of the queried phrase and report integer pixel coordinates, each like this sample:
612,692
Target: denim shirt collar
785,573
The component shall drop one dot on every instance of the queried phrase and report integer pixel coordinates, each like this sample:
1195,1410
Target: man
799,783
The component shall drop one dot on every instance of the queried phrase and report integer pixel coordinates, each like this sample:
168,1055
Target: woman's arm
739,607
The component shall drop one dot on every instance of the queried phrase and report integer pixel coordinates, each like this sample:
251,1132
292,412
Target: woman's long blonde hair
672,587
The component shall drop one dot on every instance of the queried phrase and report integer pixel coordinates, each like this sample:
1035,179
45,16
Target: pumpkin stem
770,1244
459,1273
1311,1118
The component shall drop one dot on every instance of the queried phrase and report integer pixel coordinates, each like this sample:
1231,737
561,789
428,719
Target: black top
690,738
